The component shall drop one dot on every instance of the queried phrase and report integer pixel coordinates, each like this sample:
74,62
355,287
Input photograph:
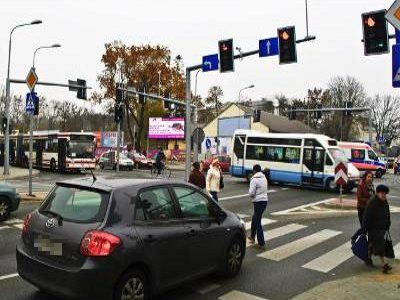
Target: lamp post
31,120
245,88
159,82
7,104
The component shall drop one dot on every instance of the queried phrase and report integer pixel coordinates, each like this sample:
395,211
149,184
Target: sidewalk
368,286
17,173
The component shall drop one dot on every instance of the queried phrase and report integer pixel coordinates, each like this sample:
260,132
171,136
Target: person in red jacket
365,191
196,177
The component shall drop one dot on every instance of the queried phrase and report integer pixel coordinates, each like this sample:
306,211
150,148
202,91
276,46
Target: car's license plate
43,244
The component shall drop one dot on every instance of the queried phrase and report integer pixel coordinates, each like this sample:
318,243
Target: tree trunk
140,125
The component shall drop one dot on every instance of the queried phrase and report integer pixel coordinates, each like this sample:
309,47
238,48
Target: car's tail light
25,226
99,243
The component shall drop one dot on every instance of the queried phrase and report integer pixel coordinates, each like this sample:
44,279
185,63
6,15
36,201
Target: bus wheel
378,173
331,185
53,165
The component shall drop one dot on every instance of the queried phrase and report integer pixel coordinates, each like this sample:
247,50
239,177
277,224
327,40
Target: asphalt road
303,250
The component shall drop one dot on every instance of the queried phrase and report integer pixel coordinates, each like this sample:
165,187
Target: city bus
296,159
53,150
363,157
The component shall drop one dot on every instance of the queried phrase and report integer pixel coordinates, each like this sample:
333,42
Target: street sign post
341,177
396,66
393,14
268,47
31,79
30,103
210,63
380,139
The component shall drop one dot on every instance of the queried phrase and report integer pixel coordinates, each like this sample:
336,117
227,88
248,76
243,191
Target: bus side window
238,147
328,160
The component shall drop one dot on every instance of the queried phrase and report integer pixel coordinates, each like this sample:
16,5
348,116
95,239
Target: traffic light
376,38
319,112
292,114
348,105
119,112
119,93
226,58
36,111
4,124
256,115
287,45
81,94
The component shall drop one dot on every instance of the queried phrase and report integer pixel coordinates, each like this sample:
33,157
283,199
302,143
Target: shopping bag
389,252
360,247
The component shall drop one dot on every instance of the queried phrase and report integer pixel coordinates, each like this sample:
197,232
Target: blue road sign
208,143
210,63
396,66
380,139
31,99
268,47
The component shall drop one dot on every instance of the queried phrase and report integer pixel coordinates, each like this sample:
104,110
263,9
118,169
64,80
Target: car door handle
150,239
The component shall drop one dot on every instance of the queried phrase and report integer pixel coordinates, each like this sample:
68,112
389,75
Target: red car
224,162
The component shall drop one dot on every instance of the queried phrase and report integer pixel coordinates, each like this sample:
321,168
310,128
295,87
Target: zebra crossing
12,223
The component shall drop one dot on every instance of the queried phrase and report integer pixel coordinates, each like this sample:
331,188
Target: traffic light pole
118,145
30,152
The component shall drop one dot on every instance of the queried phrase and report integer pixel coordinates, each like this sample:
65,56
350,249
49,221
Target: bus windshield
80,149
337,154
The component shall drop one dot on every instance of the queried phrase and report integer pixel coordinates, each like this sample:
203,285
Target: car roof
108,185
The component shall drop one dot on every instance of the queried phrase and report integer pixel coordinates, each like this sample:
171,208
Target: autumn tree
213,100
139,67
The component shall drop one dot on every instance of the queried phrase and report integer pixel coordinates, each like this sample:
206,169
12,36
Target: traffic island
37,197
17,173
371,285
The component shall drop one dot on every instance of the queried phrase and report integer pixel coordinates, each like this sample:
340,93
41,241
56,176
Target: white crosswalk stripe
397,251
206,287
243,216
299,245
19,226
264,221
331,260
281,231
4,227
13,221
236,295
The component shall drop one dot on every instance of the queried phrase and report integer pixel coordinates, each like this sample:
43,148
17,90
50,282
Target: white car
108,160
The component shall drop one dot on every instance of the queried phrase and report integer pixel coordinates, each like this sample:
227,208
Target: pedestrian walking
213,180
376,223
258,193
196,177
365,191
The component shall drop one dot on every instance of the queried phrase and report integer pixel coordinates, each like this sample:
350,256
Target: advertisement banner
109,139
166,128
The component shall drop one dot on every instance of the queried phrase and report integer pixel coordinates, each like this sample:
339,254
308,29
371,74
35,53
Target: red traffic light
285,35
370,22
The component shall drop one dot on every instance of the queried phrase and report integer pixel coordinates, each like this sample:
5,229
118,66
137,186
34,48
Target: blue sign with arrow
208,143
210,63
30,105
268,47
396,66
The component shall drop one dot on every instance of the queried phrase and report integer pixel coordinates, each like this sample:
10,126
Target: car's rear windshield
76,204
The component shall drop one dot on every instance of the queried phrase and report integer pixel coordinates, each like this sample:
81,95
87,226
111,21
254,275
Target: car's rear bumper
91,281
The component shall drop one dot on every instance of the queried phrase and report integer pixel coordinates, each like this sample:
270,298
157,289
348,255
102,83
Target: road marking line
290,210
331,260
264,221
236,295
14,221
242,216
4,227
397,251
206,287
9,276
19,226
281,231
299,245
242,196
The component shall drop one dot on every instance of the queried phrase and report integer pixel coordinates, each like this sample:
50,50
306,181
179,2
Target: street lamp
31,120
245,88
159,82
7,104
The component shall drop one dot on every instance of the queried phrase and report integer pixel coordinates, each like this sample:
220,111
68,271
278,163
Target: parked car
124,233
140,161
9,200
108,160
224,161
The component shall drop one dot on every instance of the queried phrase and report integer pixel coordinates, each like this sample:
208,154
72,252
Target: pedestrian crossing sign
31,99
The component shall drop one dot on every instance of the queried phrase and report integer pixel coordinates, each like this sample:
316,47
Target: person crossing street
258,192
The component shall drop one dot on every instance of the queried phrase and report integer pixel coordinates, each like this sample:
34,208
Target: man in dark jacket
376,223
197,177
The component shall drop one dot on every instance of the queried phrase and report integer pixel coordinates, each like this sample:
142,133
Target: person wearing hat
213,180
376,223
196,177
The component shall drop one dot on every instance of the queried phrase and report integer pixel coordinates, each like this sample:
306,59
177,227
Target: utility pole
187,124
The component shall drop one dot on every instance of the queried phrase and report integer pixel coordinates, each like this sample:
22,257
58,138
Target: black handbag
389,252
221,183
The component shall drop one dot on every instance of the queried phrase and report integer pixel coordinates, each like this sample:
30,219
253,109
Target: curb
38,197
34,174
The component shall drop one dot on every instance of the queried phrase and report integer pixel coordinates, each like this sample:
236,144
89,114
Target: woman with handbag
365,191
214,181
376,223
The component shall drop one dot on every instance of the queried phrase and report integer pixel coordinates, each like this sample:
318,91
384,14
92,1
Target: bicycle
165,172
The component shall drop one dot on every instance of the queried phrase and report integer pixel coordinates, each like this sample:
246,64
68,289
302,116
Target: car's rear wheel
132,285
234,258
5,209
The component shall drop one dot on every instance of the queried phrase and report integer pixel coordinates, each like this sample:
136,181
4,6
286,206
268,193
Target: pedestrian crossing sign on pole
31,99
341,173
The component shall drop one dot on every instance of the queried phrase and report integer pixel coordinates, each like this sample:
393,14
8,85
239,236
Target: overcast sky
192,29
